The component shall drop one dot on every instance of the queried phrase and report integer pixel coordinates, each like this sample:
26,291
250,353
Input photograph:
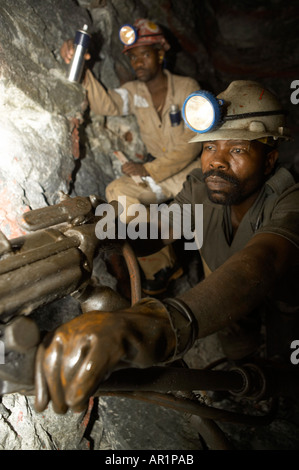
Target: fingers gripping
80,355
48,380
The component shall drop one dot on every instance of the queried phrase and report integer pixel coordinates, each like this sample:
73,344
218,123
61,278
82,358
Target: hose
134,272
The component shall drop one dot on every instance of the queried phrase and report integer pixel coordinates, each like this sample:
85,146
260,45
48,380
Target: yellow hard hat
142,33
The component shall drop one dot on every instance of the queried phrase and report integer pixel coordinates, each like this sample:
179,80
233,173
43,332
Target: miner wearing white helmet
250,248
169,156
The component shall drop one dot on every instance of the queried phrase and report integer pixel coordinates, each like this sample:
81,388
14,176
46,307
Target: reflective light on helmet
128,34
202,111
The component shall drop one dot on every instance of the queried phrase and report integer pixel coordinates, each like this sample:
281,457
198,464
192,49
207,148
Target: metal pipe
195,408
40,252
45,280
211,433
164,379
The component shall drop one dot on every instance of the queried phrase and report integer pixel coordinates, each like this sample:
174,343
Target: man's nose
139,61
219,161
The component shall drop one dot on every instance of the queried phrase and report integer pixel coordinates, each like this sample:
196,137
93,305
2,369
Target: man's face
145,62
234,170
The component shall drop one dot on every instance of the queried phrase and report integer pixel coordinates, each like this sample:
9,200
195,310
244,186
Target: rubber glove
83,352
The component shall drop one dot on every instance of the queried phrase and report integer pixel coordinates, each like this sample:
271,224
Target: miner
151,97
250,253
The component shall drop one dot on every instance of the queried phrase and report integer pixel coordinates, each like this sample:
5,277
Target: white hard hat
247,111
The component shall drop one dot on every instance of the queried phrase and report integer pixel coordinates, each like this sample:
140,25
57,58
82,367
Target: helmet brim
142,43
234,134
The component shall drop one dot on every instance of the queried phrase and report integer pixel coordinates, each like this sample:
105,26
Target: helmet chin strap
247,115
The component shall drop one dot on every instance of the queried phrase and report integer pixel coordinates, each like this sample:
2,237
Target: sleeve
284,219
178,158
110,102
174,161
186,200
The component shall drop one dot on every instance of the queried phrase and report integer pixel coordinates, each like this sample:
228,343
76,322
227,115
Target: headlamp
202,111
128,34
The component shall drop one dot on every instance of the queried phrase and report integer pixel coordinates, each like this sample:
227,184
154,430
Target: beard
234,197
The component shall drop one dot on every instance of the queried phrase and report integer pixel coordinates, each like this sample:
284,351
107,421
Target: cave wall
50,143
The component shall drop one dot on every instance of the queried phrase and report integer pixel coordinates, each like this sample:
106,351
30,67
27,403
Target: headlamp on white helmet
203,112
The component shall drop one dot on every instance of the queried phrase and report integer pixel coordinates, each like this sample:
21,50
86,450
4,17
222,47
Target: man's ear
161,56
271,159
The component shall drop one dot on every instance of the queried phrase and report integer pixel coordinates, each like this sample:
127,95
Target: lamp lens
199,113
127,35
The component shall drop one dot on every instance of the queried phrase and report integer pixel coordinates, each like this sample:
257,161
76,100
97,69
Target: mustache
221,174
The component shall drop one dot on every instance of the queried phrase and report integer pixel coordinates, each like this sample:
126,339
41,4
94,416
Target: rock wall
46,145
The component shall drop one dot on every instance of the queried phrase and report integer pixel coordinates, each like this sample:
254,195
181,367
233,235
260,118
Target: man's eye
238,150
209,148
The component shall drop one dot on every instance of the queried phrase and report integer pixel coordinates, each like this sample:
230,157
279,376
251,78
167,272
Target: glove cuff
183,324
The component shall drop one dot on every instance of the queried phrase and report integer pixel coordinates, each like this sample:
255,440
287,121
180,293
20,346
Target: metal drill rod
172,378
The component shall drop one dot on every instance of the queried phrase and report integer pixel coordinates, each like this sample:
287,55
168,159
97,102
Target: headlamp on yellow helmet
128,35
142,33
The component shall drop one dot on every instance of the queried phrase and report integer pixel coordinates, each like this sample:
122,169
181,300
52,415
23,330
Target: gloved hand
83,352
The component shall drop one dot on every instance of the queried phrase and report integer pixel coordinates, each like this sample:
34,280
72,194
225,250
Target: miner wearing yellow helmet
249,296
169,157
142,33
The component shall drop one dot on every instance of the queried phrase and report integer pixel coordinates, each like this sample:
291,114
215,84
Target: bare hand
134,169
84,352
67,51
